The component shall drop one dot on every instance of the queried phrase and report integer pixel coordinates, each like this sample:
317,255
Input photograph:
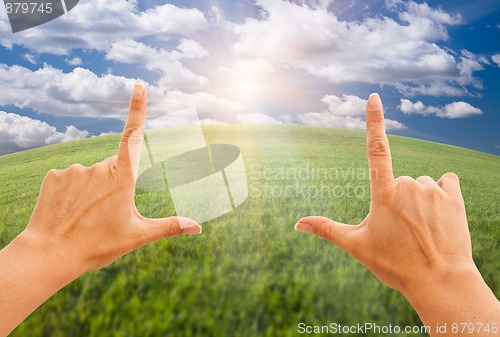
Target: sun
246,89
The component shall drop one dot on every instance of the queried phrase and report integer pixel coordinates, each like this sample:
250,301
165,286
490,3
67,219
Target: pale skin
415,239
85,218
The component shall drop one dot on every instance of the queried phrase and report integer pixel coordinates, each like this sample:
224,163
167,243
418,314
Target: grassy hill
250,273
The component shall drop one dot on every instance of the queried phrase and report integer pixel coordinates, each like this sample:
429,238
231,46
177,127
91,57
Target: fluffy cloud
496,58
459,110
419,11
378,49
113,27
191,49
174,74
438,88
75,61
30,58
81,93
391,124
451,111
96,24
348,105
329,120
344,112
20,133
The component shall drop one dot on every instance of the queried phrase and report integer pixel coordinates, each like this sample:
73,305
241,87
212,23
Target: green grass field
250,273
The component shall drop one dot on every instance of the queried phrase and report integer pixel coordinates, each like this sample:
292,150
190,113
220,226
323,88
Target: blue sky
436,65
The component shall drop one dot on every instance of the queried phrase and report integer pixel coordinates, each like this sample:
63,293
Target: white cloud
81,93
419,11
470,55
123,26
96,24
418,108
346,113
437,88
71,133
20,133
393,125
348,105
191,49
496,58
257,118
30,58
75,61
451,111
459,110
329,120
377,50
174,74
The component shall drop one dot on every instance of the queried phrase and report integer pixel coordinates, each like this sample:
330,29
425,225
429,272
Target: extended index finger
377,146
129,152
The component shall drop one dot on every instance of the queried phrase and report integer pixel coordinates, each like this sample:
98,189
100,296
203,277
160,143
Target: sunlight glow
246,89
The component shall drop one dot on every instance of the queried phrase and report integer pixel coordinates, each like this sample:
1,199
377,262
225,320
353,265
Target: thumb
337,233
157,229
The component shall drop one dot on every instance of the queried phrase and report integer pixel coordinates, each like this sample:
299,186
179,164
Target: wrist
442,277
31,271
442,296
51,259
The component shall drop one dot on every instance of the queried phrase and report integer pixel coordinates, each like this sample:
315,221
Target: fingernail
195,229
189,226
374,102
303,227
138,91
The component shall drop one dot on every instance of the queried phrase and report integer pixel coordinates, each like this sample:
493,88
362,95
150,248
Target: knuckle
408,186
328,233
173,230
378,147
133,134
52,174
76,168
98,168
405,180
323,231
425,180
451,175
